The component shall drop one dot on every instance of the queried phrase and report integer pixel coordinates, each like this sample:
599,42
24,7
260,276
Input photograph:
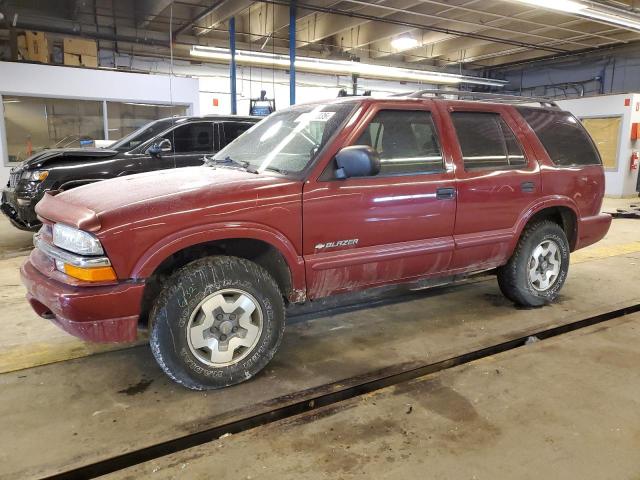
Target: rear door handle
528,187
445,193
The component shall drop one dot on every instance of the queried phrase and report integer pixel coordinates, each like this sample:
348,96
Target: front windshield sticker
315,115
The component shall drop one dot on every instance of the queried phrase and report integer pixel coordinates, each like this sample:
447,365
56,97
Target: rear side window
486,141
562,136
406,141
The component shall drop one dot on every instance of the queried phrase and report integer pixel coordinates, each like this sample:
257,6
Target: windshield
286,141
142,135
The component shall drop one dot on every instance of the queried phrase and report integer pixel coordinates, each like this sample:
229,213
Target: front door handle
528,187
445,193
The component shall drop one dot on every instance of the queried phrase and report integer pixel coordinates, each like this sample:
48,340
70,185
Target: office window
33,124
605,132
124,118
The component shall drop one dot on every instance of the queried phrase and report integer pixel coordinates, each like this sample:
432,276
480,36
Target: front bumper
20,208
592,229
104,313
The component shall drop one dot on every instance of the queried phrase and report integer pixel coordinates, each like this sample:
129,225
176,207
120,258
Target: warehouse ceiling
470,34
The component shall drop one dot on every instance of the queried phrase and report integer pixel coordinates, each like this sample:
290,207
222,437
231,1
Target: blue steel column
292,52
232,66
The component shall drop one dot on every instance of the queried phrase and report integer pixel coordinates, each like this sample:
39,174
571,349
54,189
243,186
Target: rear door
395,226
498,179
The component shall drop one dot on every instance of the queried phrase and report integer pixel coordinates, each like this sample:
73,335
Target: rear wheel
217,322
538,267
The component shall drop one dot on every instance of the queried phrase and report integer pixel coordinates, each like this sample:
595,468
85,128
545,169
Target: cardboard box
22,47
37,47
74,60
89,61
71,59
79,46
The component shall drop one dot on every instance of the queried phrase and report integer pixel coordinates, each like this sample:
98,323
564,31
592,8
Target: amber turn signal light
92,274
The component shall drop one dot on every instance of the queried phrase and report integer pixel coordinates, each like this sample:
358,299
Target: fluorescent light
404,42
614,19
340,67
148,104
568,6
589,11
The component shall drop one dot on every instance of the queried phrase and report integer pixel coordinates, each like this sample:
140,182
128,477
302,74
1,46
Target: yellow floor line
19,357
605,251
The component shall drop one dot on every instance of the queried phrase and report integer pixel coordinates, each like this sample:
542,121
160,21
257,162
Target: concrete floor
564,408
107,403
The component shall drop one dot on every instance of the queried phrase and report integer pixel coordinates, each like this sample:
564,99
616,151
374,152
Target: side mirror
163,146
357,161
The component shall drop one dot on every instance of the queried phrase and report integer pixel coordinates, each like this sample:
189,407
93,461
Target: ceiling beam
221,13
149,9
201,16
434,28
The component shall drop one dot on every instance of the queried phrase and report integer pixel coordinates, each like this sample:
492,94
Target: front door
498,179
395,226
191,142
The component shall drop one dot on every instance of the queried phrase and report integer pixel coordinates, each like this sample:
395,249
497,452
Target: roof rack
479,96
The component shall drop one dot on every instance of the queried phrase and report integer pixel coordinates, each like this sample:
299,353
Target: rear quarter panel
579,186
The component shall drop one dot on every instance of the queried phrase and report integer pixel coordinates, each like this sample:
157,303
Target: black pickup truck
162,144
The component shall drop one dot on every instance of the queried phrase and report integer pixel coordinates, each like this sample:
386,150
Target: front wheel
217,322
538,267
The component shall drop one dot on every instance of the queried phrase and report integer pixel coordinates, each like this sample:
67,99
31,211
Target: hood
46,156
145,196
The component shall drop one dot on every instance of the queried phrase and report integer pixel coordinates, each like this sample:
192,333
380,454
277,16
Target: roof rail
479,96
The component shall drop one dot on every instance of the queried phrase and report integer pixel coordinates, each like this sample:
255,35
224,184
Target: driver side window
406,140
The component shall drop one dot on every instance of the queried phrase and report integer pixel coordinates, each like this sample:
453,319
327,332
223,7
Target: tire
531,283
25,228
190,328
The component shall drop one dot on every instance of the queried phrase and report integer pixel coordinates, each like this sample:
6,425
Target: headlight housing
76,241
35,175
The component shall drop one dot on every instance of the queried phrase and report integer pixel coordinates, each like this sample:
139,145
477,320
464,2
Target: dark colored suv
167,143
316,200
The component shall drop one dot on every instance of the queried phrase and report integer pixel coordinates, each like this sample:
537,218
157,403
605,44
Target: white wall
215,84
88,84
621,181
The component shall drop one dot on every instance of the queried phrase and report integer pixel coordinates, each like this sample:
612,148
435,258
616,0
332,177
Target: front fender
156,254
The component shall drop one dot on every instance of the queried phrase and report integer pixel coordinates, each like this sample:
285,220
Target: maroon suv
316,200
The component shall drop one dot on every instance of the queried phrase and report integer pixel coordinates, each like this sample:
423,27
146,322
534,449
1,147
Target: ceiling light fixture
590,11
568,6
340,67
404,42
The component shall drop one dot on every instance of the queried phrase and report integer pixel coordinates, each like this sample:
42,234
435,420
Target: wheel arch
561,211
267,248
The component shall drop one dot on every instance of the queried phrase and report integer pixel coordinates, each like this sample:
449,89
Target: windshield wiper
276,169
228,161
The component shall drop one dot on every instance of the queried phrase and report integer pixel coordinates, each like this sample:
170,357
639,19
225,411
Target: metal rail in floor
329,394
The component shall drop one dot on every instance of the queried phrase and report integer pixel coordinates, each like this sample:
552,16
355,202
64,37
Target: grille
14,178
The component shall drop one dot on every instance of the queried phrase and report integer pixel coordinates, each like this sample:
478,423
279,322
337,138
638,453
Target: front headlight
76,241
35,175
